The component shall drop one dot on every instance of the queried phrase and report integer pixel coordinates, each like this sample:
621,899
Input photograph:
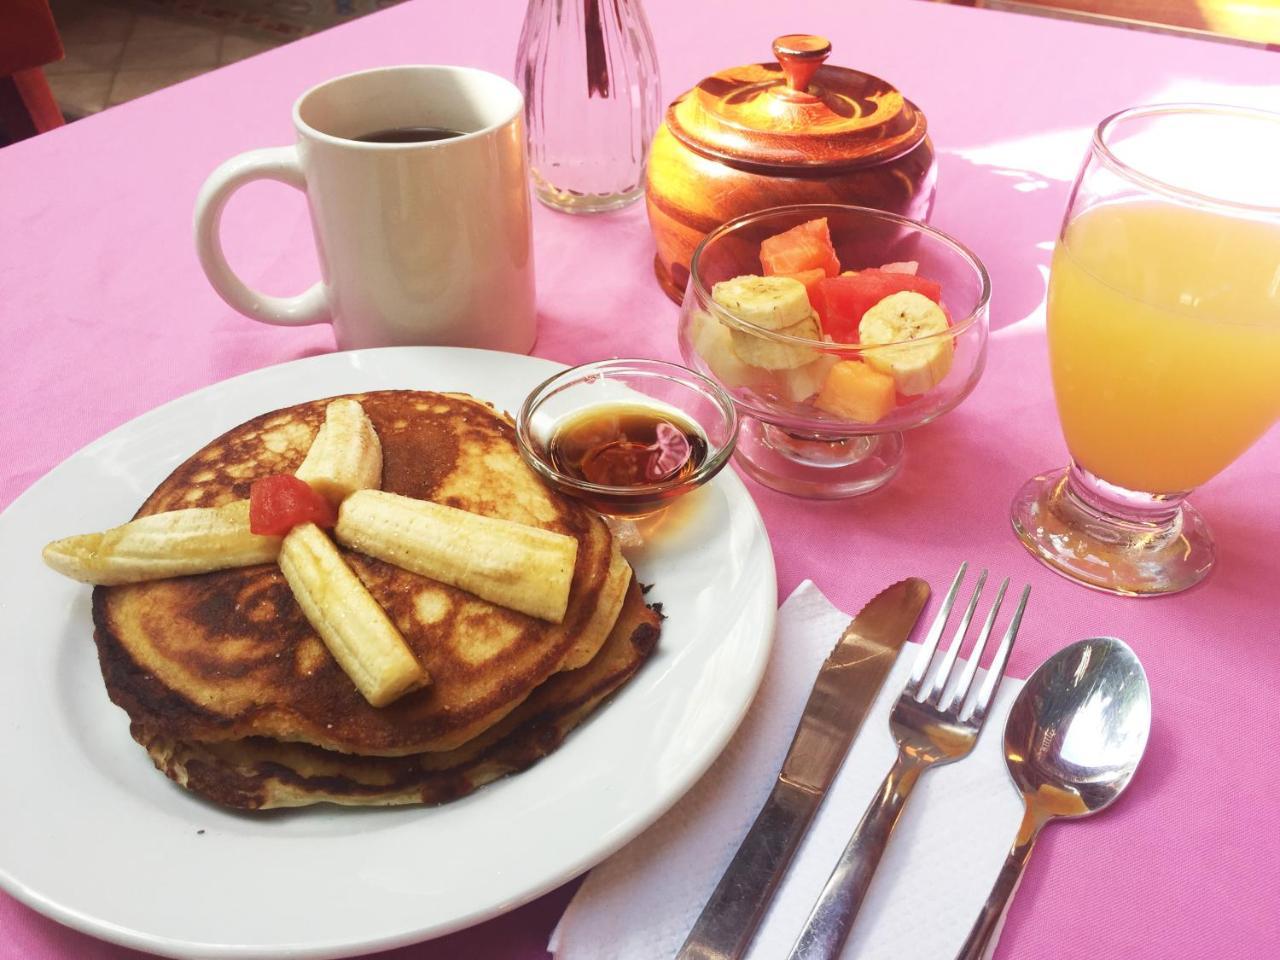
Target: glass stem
1089,493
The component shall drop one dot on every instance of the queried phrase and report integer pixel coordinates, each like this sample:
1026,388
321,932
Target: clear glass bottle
589,75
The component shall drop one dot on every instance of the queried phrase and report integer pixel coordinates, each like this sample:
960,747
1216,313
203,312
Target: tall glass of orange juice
1163,322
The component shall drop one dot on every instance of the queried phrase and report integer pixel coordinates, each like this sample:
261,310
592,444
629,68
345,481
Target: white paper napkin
958,824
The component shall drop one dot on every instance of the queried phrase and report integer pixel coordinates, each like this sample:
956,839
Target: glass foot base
1107,552
826,468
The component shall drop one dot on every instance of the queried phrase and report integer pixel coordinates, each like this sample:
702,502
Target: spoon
1073,739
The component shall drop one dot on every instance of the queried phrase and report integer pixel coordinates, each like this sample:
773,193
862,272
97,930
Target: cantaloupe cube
856,392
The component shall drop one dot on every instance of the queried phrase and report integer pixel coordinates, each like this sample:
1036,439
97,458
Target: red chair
28,40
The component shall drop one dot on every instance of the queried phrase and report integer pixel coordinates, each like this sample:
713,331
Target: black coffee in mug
409,135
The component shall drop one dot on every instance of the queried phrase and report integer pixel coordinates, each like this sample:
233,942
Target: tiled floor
115,54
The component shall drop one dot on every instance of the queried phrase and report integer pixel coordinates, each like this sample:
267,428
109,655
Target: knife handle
832,918
728,922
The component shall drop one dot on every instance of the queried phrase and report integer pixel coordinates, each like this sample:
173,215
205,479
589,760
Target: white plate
96,838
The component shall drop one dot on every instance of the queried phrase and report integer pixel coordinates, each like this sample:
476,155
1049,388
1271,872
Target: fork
934,722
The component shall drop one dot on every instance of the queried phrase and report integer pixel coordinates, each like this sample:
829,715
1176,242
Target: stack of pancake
235,697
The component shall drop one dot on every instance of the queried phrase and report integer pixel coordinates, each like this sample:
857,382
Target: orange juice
1164,338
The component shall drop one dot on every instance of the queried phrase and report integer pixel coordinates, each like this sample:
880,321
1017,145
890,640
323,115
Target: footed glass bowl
821,418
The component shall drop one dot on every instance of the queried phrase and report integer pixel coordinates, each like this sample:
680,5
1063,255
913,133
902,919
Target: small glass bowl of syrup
627,437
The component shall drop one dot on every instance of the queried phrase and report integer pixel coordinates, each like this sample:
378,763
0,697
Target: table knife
842,695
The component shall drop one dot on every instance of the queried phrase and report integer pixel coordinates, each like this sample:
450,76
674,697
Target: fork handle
1002,891
832,918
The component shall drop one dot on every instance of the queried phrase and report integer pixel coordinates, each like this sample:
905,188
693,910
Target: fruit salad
892,315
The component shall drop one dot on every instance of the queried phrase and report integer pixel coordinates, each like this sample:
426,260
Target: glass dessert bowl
895,337
627,437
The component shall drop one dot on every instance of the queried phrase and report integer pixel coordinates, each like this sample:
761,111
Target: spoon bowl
1079,727
1073,740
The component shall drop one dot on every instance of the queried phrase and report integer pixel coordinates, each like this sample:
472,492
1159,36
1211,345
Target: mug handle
271,163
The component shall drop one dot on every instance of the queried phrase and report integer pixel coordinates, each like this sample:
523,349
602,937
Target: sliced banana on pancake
769,302
348,619
897,320
346,454
176,543
521,567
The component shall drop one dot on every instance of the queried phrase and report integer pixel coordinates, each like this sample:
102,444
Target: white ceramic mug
419,243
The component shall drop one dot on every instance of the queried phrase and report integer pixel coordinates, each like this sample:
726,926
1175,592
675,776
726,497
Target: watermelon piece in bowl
804,247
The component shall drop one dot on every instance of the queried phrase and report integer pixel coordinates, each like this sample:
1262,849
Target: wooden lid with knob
797,112
800,55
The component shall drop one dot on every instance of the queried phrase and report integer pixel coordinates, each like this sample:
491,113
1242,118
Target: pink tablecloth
104,313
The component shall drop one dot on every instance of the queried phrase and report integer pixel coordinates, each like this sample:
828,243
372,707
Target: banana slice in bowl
759,351
898,320
778,304
773,303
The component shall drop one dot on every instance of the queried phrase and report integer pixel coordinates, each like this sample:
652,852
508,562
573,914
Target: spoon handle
979,939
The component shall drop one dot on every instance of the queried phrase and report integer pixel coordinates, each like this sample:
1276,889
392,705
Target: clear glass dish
786,441
665,387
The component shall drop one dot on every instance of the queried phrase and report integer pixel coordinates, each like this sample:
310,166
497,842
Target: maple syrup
628,446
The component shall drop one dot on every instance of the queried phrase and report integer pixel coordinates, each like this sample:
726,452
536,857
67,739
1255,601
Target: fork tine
949,661
930,645
956,700
988,691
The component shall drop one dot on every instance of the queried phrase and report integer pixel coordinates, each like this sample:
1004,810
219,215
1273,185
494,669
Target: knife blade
844,691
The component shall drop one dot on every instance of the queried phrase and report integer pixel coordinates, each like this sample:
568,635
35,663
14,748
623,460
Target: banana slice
761,352
520,567
346,454
769,302
173,544
357,631
711,341
915,367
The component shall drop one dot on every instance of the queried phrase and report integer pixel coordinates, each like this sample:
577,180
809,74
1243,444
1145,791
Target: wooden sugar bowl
769,134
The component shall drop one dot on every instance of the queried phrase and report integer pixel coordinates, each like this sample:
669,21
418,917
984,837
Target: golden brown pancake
258,773
229,655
